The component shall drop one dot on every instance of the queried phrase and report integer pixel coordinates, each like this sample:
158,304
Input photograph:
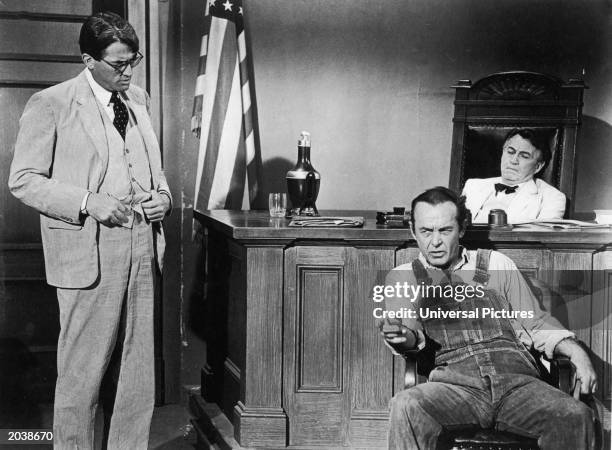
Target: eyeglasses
120,68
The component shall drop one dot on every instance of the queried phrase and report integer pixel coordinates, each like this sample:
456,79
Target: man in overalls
484,375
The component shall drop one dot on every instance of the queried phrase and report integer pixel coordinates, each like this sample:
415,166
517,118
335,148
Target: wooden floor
171,429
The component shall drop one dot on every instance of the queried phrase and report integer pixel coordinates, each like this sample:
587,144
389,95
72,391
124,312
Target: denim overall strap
420,272
481,275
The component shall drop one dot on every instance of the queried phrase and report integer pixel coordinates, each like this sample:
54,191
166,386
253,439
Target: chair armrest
410,374
561,371
562,374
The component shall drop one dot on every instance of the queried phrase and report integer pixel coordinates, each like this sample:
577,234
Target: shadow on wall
273,179
594,164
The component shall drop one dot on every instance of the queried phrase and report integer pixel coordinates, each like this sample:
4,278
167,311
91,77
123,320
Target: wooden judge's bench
294,357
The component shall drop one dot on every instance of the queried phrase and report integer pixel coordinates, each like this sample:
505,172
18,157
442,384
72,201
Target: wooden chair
481,439
488,109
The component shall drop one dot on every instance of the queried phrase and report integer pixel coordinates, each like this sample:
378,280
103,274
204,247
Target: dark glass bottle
303,181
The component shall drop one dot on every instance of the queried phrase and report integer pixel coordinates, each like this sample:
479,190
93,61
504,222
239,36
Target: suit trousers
90,321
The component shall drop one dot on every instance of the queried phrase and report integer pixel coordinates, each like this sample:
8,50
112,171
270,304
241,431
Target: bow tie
500,187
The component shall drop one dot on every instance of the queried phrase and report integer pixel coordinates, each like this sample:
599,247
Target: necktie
121,114
500,187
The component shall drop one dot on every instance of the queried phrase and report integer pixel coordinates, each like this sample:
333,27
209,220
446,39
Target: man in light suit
86,157
523,197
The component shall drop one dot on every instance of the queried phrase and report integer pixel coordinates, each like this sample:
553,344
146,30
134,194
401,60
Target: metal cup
498,218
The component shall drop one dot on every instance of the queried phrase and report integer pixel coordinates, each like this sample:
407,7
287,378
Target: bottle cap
304,140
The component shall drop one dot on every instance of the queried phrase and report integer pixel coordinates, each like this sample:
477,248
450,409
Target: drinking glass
277,202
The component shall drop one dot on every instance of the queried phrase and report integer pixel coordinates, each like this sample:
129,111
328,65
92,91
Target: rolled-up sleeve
542,331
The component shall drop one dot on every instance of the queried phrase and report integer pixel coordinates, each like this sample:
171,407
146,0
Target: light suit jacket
62,152
536,200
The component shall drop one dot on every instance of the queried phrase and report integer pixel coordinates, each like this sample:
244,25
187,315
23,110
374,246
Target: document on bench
346,222
564,224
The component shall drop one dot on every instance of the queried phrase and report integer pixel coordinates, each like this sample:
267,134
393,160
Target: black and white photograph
305,224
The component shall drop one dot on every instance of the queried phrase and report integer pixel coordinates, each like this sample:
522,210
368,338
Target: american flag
226,176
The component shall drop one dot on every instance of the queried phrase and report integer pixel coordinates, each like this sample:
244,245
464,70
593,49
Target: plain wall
372,83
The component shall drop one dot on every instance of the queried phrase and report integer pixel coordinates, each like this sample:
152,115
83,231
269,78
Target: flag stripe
236,187
204,45
210,80
228,145
197,105
250,147
241,46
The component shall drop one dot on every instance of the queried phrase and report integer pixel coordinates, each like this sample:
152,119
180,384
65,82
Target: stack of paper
565,224
327,222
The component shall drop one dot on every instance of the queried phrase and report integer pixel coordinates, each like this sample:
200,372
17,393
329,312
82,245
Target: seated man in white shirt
523,197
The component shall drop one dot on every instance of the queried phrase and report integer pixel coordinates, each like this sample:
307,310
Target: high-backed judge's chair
488,109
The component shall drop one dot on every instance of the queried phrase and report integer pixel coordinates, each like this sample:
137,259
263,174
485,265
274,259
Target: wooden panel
28,379
259,416
571,283
528,260
55,38
264,329
39,71
406,255
236,323
320,304
78,7
21,262
316,414
30,313
373,386
137,14
29,327
236,307
601,337
371,374
155,64
22,224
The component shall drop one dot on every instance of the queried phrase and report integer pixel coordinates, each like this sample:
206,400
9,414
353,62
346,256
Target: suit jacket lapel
524,200
484,194
89,115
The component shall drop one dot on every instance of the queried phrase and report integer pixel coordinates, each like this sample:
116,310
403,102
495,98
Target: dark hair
440,194
539,139
102,29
